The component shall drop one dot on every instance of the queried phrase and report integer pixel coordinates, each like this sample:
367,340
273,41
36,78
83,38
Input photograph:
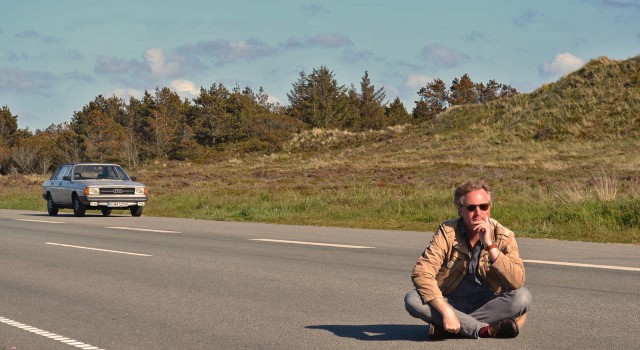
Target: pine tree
355,118
433,100
8,127
300,99
462,91
396,113
208,115
371,105
97,125
487,92
318,100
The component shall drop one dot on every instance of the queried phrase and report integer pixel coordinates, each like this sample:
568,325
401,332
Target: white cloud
315,10
15,79
351,56
525,19
444,57
228,52
474,36
274,100
158,64
125,94
561,64
184,86
113,65
330,40
417,81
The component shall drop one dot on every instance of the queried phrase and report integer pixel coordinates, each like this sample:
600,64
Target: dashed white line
142,229
312,243
42,221
97,249
593,266
53,336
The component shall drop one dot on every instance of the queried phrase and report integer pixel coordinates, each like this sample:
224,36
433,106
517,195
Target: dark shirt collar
461,237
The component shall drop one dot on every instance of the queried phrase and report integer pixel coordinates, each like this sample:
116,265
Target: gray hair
470,186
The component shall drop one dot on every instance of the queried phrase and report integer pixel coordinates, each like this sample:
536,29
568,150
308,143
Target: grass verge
325,191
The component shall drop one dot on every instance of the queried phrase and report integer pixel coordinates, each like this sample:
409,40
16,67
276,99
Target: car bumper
113,201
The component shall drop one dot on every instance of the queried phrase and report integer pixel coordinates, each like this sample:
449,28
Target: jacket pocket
451,272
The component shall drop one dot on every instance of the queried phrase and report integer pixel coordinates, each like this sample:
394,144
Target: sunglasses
483,206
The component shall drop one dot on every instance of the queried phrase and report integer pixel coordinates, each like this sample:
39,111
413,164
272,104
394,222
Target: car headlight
91,190
142,190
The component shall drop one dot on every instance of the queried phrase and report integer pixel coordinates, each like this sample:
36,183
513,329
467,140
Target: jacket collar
461,238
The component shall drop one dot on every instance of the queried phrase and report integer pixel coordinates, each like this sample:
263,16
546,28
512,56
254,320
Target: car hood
110,183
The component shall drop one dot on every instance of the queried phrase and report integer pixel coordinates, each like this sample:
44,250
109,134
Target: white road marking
560,263
142,229
65,340
42,221
100,250
312,243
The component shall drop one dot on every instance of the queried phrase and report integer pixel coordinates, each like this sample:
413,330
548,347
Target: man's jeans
509,304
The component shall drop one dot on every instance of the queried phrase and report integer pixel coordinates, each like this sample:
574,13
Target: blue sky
57,56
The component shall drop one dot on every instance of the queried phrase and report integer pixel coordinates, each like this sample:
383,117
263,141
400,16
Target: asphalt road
100,283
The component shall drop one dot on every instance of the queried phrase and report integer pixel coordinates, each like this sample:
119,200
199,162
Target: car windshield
94,172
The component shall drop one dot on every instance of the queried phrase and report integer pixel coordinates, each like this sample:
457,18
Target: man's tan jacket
443,265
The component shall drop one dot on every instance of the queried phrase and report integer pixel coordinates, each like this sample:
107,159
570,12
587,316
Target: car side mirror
133,178
66,178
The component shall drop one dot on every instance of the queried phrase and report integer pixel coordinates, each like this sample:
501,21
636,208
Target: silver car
93,186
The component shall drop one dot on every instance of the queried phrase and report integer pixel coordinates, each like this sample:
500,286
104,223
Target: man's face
476,200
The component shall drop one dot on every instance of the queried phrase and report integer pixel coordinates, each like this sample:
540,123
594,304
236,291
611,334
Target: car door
60,186
50,185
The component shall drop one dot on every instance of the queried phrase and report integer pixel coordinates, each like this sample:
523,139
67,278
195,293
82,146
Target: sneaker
436,332
520,320
507,328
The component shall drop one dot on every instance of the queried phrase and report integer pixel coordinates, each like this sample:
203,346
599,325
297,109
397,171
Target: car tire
78,208
106,211
136,211
52,208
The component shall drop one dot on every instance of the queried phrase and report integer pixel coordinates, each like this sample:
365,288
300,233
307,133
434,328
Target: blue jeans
510,304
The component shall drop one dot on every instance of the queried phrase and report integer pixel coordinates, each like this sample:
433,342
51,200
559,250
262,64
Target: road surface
158,283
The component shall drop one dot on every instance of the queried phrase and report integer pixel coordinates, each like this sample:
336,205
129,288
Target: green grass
408,190
352,207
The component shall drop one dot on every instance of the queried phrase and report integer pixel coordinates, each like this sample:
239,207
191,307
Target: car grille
117,191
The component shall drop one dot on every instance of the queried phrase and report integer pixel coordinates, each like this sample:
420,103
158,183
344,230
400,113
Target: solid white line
560,263
42,221
97,249
312,243
142,229
46,334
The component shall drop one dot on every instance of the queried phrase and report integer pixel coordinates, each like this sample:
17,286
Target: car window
86,172
63,172
120,173
55,174
94,172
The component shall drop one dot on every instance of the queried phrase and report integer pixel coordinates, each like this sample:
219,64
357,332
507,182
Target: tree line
162,125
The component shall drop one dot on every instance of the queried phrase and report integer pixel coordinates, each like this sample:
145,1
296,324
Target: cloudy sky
57,56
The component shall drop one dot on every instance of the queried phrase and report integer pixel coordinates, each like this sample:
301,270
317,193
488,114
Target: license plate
116,204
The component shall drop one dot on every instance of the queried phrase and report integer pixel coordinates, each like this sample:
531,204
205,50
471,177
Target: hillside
599,101
586,121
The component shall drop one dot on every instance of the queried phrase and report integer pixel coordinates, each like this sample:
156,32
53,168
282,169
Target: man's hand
485,231
450,321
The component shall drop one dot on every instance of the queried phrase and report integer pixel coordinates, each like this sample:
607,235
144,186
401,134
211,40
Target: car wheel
52,208
106,211
78,208
136,211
